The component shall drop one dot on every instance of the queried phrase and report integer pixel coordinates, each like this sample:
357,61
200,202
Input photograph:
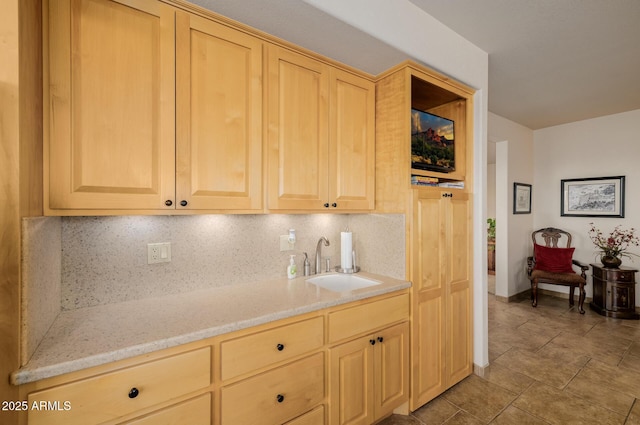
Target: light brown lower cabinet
346,364
369,376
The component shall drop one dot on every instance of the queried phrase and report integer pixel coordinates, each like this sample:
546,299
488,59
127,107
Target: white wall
604,146
514,153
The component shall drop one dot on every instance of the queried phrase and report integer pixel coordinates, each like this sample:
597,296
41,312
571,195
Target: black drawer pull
372,341
280,347
184,203
380,339
133,392
280,398
168,202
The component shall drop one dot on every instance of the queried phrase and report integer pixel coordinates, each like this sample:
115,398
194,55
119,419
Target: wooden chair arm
583,268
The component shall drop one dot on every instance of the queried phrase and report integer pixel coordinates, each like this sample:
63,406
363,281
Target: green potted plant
491,244
491,229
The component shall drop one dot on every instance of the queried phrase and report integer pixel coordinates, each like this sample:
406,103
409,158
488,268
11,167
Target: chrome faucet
319,253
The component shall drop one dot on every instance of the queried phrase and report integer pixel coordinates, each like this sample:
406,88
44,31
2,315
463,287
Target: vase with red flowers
615,245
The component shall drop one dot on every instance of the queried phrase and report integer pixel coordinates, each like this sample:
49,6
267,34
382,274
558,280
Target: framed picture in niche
592,197
521,198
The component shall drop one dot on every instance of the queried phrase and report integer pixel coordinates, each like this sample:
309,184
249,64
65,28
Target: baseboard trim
526,295
481,371
515,298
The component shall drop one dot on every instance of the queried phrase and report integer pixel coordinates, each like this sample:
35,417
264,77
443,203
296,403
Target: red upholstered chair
553,264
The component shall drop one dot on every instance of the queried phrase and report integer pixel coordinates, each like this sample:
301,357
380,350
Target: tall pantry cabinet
438,209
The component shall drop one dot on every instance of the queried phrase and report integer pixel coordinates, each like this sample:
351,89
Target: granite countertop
87,337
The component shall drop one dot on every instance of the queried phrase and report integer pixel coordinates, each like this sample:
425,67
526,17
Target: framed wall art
521,198
592,197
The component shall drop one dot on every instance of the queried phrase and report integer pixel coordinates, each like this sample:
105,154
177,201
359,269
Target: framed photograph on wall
521,198
592,197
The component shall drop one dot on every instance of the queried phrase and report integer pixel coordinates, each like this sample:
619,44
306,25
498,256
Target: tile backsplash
104,259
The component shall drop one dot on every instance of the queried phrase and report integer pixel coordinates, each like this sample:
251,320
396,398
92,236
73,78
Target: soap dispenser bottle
292,270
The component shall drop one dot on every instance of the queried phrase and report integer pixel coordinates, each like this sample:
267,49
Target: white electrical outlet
159,253
285,245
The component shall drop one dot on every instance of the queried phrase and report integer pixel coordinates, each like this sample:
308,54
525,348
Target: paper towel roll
346,250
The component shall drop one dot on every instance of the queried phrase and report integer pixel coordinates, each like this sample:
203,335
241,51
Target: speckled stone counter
93,336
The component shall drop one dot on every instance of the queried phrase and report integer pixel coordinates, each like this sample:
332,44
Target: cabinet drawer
276,396
315,417
617,275
620,276
107,397
196,411
261,349
367,317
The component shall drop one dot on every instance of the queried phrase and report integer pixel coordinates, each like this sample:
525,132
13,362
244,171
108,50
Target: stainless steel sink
339,282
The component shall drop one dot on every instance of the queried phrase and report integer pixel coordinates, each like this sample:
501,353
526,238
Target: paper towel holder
354,269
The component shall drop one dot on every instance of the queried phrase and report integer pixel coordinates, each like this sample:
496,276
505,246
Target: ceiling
550,61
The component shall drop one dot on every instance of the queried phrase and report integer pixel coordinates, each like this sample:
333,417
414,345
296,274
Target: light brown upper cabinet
219,116
111,104
321,141
144,116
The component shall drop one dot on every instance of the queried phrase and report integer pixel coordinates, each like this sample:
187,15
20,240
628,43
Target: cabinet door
391,370
111,105
352,146
219,116
441,275
429,286
298,131
351,382
459,360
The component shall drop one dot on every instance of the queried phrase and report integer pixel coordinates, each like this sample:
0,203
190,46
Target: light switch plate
159,252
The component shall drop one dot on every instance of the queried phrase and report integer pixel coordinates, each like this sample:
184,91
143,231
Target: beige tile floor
548,365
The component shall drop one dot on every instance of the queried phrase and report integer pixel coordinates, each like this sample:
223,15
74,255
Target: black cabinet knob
372,341
168,202
280,347
133,392
280,398
326,205
183,203
380,339
334,205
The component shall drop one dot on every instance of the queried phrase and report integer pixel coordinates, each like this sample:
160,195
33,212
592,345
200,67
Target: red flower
617,243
